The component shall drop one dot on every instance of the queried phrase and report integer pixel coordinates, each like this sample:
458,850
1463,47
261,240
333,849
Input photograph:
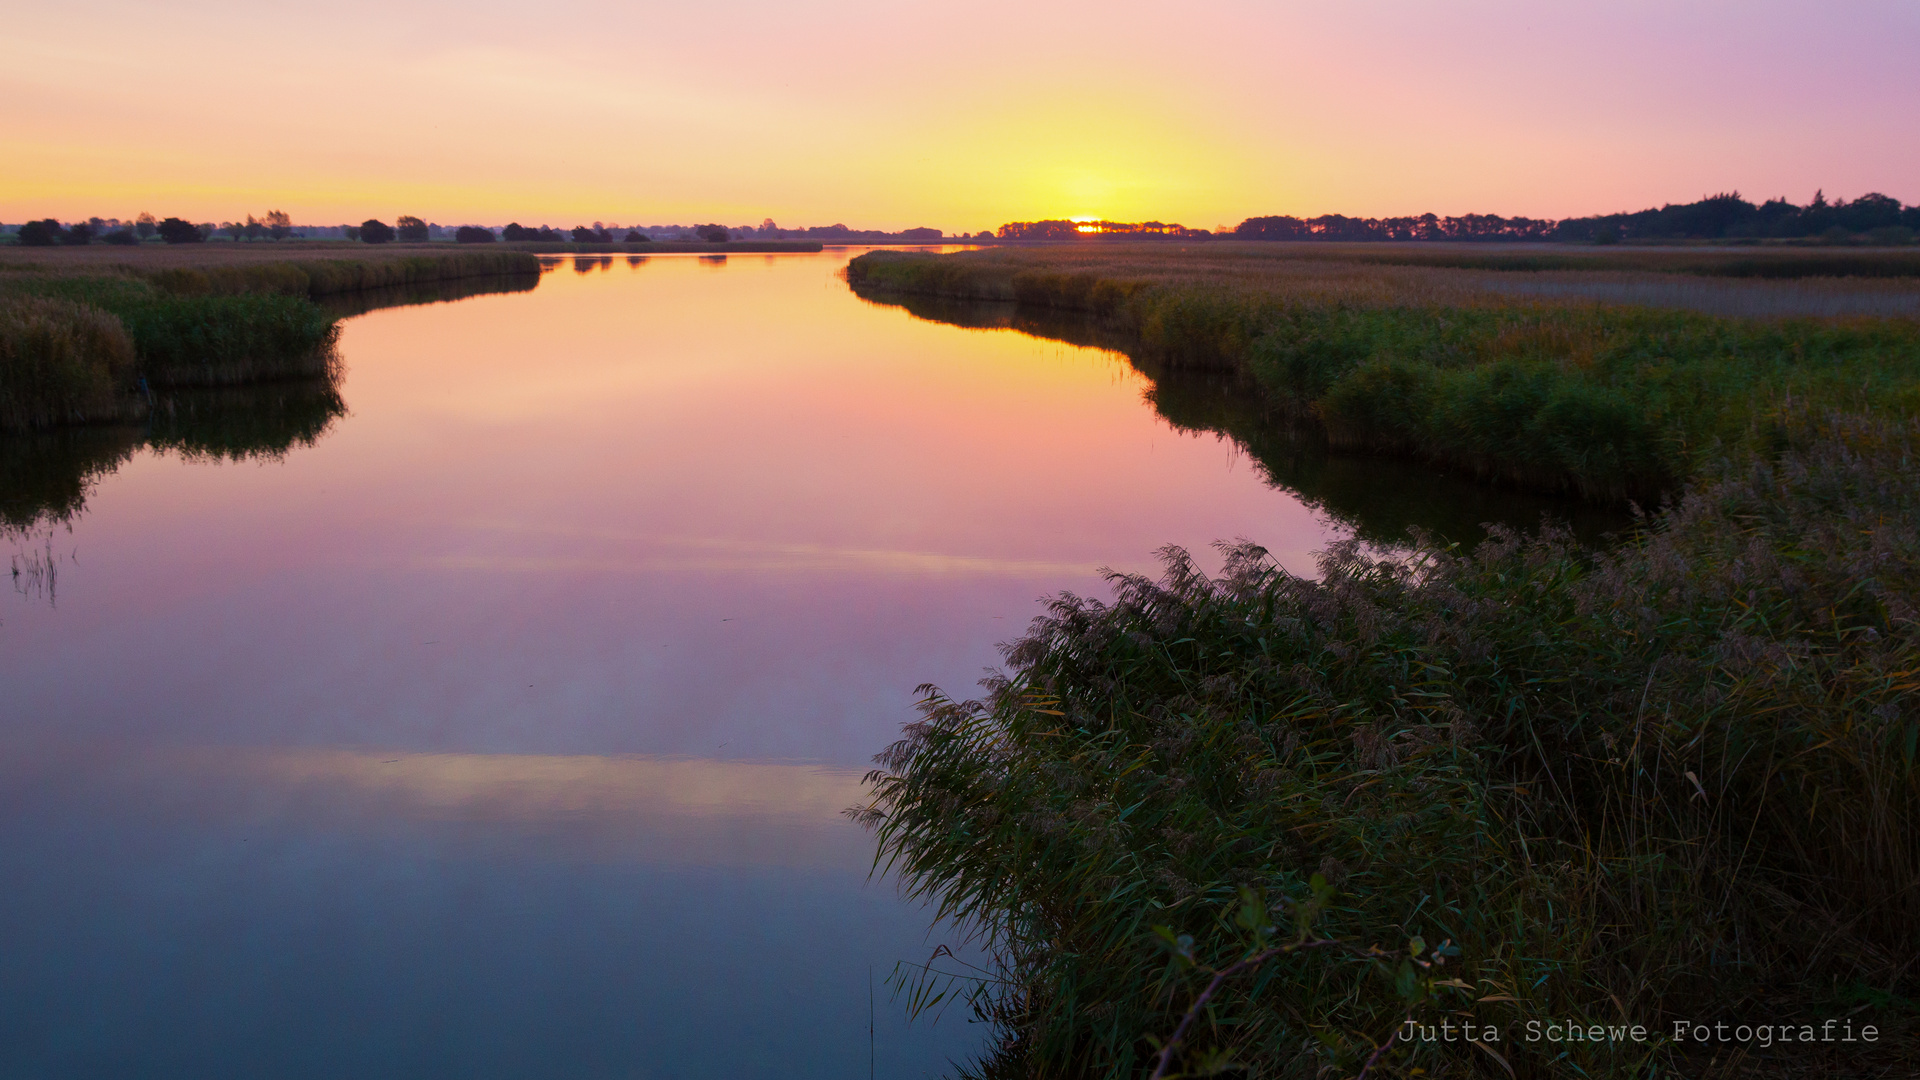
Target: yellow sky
961,117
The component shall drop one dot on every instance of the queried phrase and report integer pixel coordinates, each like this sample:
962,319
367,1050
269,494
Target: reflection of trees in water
1382,500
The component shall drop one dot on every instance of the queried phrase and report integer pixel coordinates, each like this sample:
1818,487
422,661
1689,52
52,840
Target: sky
881,114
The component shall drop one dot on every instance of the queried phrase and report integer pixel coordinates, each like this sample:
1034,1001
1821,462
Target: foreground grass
1610,402
1676,781
90,341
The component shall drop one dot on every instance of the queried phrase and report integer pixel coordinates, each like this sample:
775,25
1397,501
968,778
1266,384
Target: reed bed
1674,781
89,341
1607,401
61,362
327,277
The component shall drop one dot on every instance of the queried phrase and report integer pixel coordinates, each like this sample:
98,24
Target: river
497,720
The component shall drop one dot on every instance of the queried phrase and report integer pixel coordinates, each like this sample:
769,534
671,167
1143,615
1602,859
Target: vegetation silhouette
1871,218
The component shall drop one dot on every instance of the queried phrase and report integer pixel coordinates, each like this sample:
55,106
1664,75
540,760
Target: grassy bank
87,341
1676,781
1610,402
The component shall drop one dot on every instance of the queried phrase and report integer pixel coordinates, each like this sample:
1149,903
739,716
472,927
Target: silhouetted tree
80,234
635,236
375,231
145,225
712,234
1040,230
175,231
1271,228
122,237
45,233
277,223
411,229
473,234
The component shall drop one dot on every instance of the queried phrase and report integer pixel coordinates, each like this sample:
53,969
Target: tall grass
60,362
1608,402
91,346
1674,781
327,277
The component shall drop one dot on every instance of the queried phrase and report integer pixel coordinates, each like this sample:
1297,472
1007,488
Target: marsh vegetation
91,341
1607,401
1668,778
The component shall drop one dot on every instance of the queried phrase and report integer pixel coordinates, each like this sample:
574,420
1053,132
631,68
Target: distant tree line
48,232
1718,217
1080,230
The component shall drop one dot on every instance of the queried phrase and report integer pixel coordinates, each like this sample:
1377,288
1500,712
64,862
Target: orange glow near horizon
881,117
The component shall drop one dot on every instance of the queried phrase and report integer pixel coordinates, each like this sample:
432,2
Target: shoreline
1612,402
89,339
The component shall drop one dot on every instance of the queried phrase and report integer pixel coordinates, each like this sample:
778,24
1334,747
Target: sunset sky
958,116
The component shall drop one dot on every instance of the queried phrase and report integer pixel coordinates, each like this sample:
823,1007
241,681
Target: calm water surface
503,731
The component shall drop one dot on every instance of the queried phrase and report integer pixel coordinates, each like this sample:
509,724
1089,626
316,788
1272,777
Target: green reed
92,345
60,362
1674,780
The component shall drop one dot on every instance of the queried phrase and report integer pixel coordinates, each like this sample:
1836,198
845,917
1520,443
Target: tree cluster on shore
49,232
1871,218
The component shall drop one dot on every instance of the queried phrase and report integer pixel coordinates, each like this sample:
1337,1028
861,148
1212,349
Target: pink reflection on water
681,508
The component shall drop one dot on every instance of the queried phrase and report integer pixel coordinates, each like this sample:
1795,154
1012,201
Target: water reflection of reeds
1380,500
46,476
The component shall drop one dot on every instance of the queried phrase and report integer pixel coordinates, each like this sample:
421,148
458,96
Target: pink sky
881,114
